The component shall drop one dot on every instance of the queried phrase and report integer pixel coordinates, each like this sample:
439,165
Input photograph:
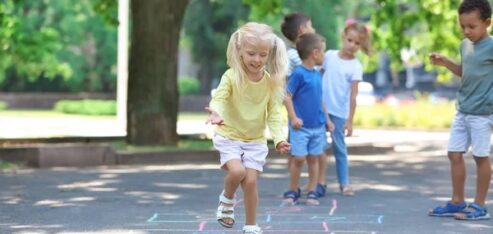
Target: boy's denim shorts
307,141
471,131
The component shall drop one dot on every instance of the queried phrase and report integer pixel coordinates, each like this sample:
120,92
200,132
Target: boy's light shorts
471,130
307,141
251,154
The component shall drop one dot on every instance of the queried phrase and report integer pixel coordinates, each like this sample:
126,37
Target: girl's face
473,27
306,28
351,42
254,55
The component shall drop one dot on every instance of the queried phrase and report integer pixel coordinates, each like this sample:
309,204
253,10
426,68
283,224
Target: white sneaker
252,229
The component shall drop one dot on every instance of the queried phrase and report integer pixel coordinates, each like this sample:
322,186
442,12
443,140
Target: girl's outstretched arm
214,117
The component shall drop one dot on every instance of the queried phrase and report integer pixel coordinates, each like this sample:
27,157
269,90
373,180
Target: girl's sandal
225,211
346,190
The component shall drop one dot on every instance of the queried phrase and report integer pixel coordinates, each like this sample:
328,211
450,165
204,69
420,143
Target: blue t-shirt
306,89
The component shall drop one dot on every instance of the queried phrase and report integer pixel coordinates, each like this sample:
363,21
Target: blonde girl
248,99
342,72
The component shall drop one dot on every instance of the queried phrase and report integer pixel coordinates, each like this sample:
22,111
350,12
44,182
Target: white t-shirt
293,60
336,82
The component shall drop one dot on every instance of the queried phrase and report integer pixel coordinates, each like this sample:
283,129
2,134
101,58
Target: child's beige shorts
471,130
251,154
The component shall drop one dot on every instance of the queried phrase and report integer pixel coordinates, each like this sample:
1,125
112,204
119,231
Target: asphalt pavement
393,193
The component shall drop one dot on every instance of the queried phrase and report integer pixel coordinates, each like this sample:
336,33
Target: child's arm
295,121
218,101
274,122
438,59
328,125
352,108
214,117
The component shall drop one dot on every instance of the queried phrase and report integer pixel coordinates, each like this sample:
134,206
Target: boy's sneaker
473,212
448,210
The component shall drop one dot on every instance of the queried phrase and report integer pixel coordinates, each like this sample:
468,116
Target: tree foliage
208,25
422,25
56,40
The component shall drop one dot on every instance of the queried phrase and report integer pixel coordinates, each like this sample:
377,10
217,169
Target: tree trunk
152,106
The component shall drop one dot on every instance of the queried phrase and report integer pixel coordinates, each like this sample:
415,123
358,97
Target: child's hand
437,59
329,126
296,123
283,147
349,128
214,117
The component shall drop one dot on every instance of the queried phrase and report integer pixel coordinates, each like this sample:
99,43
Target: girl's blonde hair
364,33
276,63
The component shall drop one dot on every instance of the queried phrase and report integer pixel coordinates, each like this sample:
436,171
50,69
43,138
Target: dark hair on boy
307,43
292,23
482,6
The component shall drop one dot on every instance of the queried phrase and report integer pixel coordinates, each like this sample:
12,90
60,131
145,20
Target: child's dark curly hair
483,6
292,23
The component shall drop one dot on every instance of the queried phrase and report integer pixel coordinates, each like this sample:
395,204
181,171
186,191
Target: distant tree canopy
56,46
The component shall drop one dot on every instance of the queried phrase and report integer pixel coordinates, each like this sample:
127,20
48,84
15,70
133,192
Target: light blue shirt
337,80
475,95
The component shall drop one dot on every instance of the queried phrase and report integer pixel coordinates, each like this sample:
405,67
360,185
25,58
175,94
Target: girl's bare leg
249,185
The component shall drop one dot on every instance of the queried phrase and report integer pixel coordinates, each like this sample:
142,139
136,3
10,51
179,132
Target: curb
94,154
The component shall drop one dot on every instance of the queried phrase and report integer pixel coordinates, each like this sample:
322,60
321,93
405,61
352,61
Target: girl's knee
238,172
250,181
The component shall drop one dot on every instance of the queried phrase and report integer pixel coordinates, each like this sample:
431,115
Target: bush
3,105
87,107
187,85
418,115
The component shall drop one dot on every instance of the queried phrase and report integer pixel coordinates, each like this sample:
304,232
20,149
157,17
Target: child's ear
488,21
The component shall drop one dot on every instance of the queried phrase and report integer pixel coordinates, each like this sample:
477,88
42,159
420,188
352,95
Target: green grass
55,114
43,114
183,145
7,165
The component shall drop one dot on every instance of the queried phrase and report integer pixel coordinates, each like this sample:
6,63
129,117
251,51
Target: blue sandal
448,210
312,199
321,189
473,212
291,197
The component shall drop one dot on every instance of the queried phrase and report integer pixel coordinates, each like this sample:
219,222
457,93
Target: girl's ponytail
277,66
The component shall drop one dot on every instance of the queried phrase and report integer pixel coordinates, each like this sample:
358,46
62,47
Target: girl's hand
214,117
437,59
329,126
296,123
283,147
349,128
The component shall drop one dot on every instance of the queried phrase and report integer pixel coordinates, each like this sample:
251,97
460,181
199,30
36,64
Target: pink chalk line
334,207
238,202
326,226
202,225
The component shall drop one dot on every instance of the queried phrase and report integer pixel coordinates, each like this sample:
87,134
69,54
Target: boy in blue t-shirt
307,115
473,122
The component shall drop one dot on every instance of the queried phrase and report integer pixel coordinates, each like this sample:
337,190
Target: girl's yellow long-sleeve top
246,112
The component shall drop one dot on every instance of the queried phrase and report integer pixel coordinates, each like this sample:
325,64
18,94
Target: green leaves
422,25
